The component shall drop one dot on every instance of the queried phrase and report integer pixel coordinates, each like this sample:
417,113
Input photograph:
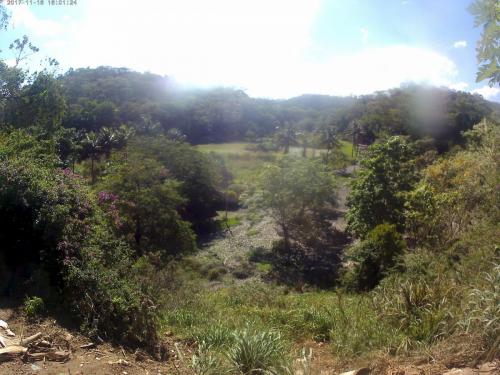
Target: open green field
242,148
244,163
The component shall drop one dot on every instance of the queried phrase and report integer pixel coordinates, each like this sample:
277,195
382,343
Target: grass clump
259,353
248,351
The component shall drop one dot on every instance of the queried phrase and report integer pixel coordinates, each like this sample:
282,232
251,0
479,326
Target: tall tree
148,199
294,189
378,194
487,15
4,17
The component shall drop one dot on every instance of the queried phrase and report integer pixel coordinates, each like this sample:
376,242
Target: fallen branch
11,352
87,346
30,339
55,356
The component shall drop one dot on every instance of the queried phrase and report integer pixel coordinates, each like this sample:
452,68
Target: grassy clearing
430,300
410,311
347,149
348,322
232,220
245,164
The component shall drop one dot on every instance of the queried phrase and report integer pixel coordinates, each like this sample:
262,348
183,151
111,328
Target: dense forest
383,213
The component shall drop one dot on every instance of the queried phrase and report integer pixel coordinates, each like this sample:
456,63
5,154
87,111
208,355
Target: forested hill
110,97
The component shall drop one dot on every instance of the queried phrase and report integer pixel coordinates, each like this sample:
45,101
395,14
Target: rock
361,371
489,368
408,371
44,344
140,355
121,362
9,333
35,367
5,326
462,371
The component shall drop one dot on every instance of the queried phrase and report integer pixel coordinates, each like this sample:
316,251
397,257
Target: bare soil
103,359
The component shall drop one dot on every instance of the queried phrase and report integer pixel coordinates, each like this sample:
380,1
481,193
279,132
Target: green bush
373,257
49,220
34,307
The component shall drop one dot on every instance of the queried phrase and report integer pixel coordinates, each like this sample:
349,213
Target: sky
268,48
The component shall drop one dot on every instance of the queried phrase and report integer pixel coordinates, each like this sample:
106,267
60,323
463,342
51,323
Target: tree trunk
92,172
138,234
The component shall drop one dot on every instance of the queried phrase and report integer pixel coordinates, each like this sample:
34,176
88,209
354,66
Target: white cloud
364,35
260,46
210,42
10,62
459,86
378,69
460,44
22,16
487,92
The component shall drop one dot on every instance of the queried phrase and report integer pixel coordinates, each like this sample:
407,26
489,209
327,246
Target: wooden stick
29,339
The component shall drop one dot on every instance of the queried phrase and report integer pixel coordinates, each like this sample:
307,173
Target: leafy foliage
198,175
487,14
454,191
34,306
49,221
378,194
300,194
148,200
374,257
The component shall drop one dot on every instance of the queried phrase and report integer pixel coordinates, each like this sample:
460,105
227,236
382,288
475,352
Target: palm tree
286,136
91,148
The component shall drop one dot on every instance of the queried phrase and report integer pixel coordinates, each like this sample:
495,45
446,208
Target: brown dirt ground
107,359
461,353
104,359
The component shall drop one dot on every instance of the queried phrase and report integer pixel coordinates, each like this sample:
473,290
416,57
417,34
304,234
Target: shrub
34,307
374,257
49,219
377,195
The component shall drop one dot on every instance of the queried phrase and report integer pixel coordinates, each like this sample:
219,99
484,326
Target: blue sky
269,48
